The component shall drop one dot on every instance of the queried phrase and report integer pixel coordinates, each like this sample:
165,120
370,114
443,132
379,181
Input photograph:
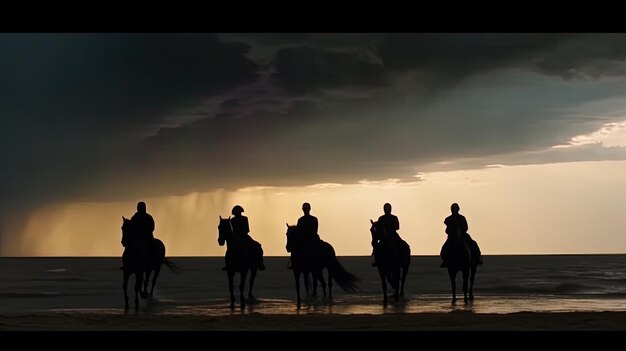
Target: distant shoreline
452,321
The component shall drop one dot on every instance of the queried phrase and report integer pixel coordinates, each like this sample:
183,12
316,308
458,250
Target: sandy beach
453,321
514,293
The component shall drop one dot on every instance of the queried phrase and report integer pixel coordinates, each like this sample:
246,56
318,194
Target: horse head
377,230
224,230
291,237
126,231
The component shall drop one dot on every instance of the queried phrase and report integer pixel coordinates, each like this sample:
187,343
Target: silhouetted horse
459,255
314,261
393,258
139,259
241,257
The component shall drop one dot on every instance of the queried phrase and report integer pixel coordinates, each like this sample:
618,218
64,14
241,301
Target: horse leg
230,288
314,274
322,282
306,282
125,287
330,285
452,274
383,279
157,270
138,278
146,281
405,270
465,272
395,276
296,275
471,287
252,276
242,286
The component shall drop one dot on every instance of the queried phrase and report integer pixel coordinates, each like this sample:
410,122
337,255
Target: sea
504,284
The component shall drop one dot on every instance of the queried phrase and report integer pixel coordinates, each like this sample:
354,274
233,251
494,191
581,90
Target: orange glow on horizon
539,209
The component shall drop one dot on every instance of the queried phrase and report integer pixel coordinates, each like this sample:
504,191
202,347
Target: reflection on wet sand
355,305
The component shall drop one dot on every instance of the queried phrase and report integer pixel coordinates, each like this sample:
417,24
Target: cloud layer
118,116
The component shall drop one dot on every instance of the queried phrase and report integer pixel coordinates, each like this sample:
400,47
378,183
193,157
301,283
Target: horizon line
365,256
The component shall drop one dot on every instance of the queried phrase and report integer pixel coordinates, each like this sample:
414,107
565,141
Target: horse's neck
299,244
457,239
455,236
384,236
132,239
234,243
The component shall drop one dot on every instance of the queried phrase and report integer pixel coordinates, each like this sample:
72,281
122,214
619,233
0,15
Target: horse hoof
144,295
471,297
454,301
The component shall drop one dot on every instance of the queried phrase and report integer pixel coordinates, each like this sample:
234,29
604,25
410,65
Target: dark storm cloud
112,116
373,140
305,69
231,102
458,55
71,102
587,56
305,61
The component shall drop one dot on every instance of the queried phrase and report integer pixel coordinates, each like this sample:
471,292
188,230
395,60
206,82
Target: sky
527,132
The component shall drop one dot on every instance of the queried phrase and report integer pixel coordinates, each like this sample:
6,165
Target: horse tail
171,265
476,258
259,259
405,254
346,280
